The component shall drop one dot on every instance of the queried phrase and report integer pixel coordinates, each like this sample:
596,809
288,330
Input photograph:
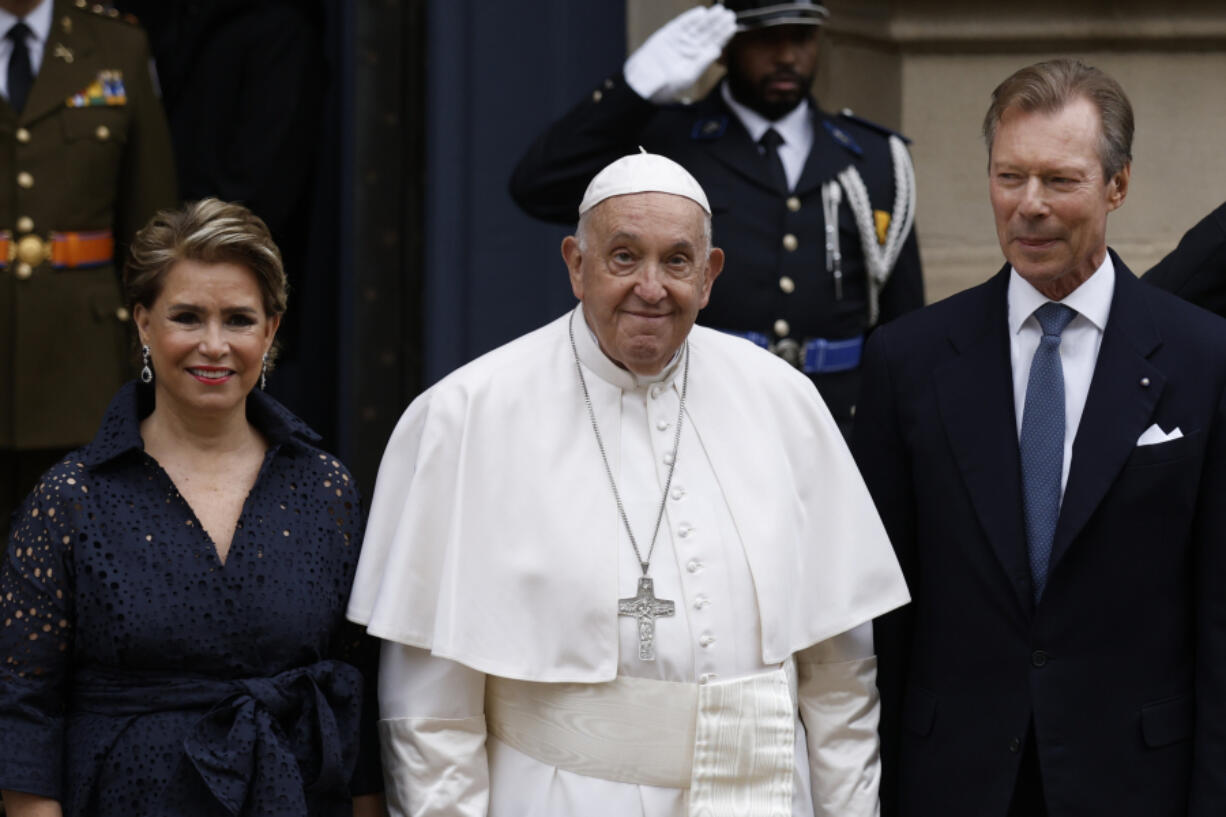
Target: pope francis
624,565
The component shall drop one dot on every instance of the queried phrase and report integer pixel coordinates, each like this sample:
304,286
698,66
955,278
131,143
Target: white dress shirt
796,128
1079,345
39,22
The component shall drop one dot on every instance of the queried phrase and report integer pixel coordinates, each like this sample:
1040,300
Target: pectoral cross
645,608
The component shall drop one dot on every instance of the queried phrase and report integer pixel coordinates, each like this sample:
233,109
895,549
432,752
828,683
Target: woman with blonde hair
172,601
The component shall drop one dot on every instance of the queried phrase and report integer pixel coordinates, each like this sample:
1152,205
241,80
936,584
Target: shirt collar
119,432
791,126
597,361
1091,300
38,20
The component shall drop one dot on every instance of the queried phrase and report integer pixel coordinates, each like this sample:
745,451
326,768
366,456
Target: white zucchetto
643,173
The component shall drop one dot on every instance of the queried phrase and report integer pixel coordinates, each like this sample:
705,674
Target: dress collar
38,20
793,126
1091,300
119,432
594,358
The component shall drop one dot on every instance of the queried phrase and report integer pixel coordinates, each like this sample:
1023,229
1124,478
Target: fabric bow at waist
296,732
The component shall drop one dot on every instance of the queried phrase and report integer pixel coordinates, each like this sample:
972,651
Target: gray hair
583,229
1049,86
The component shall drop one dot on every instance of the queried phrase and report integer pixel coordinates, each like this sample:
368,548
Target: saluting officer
815,211
85,160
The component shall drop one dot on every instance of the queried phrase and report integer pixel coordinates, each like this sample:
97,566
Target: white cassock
494,548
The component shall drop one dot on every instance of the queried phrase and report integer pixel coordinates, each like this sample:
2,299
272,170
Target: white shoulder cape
492,534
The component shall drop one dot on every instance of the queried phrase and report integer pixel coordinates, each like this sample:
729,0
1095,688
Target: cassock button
693,565
23,271
25,180
707,677
23,136
668,458
781,328
662,425
701,601
678,492
706,640
790,242
793,204
684,531
25,224
1145,382
654,391
787,285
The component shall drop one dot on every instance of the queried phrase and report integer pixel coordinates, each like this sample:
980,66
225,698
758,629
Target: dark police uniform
83,167
778,283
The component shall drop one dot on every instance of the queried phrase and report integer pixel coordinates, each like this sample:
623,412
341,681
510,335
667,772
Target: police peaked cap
752,14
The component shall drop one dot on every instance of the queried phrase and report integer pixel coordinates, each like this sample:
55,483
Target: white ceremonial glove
675,56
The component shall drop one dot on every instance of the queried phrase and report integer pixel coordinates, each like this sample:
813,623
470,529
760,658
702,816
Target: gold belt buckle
33,250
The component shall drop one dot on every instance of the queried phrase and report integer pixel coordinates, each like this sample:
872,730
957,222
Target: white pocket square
1154,435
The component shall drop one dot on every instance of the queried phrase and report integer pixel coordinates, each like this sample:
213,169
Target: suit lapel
975,396
58,77
736,149
827,158
1118,409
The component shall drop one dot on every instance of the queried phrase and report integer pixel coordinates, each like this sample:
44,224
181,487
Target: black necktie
770,142
21,76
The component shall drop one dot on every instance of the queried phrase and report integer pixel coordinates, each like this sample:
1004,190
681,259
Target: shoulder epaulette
847,114
105,10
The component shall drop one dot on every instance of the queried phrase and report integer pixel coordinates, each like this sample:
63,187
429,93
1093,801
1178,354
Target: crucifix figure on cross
646,608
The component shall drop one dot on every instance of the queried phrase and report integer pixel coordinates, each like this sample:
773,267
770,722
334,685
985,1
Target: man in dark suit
1196,269
85,161
1048,452
777,170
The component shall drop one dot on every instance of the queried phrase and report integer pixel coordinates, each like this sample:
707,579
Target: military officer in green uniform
85,161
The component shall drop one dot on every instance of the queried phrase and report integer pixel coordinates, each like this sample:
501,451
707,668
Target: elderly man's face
1050,197
643,275
770,70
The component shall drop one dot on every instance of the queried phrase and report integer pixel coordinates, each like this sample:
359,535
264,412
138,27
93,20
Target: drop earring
146,373
264,372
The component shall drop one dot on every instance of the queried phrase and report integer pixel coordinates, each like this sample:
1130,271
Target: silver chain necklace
644,607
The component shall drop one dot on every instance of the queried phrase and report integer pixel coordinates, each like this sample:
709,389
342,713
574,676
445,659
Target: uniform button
97,8
23,271
597,95
693,565
102,132
701,601
790,243
781,328
668,458
25,180
793,204
663,424
1038,658
1015,744
706,640
81,4
23,136
25,224
787,285
678,493
122,314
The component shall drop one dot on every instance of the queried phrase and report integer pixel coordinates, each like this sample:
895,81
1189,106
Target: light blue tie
1042,441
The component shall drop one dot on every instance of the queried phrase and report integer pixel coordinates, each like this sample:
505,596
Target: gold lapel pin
63,52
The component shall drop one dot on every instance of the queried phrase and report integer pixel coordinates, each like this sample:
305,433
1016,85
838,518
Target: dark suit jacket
1196,269
750,215
1121,666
